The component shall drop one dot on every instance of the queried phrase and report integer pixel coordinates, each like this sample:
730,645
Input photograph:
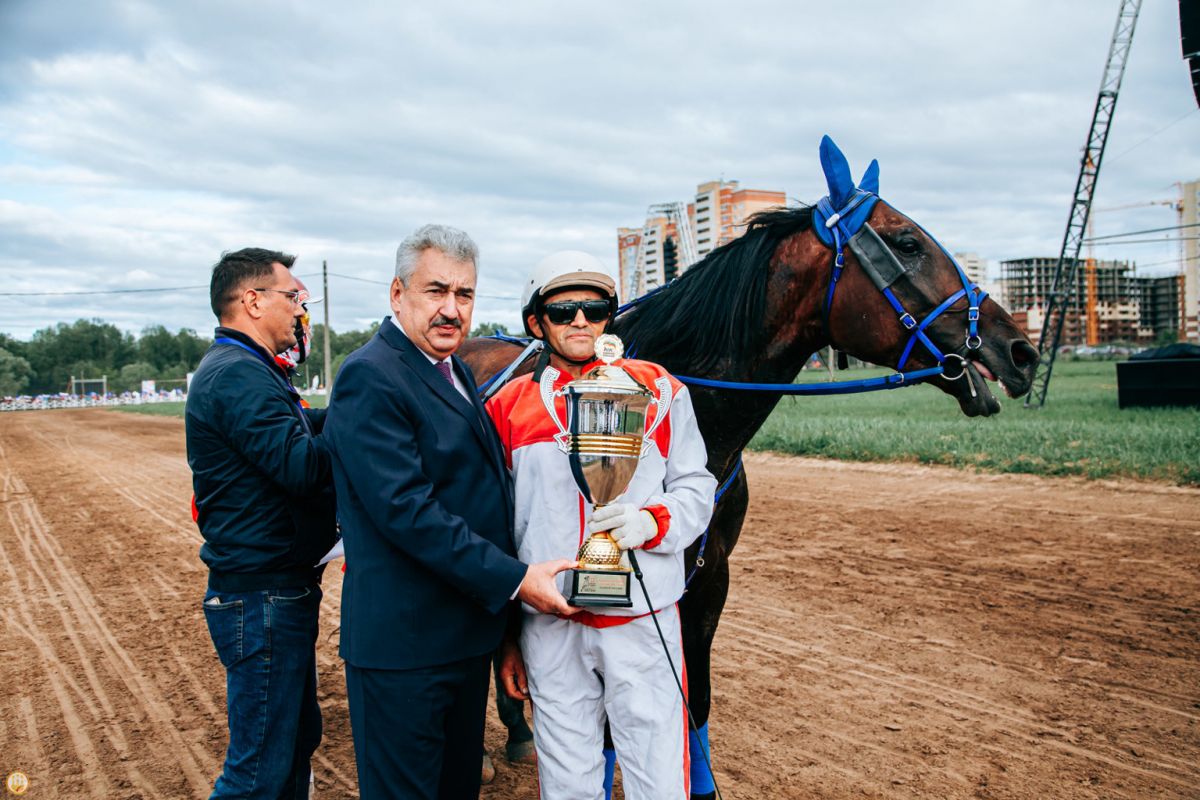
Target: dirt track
893,631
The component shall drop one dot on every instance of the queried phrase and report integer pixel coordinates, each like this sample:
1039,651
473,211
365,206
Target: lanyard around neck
291,390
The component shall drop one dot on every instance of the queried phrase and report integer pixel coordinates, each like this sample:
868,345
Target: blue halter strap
836,227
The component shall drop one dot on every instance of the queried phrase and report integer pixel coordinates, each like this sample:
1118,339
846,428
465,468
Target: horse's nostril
1023,353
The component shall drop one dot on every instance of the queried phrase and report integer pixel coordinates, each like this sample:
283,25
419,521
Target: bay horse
754,310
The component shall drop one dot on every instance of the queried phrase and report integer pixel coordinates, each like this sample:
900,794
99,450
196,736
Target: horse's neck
795,331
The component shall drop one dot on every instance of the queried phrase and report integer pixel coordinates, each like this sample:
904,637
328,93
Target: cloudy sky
140,139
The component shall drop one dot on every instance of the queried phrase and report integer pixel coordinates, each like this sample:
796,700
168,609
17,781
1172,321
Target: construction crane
1066,269
676,213
685,244
1092,336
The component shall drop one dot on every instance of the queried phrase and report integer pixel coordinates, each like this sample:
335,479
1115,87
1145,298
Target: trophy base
599,587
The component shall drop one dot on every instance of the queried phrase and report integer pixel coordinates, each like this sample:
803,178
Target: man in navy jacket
264,499
426,509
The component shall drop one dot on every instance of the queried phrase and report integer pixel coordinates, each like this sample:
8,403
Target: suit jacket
426,508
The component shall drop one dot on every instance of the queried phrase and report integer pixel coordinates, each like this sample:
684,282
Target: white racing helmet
563,270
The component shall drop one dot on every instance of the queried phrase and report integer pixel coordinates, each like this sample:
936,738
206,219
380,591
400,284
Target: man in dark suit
426,509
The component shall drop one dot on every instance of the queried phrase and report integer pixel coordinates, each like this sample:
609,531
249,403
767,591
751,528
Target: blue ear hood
846,204
870,178
837,172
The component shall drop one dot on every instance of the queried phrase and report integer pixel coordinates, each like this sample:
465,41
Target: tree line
91,348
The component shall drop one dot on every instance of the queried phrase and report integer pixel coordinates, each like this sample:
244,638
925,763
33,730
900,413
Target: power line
1151,241
75,293
1168,261
1151,136
389,283
83,292
360,280
1139,233
102,291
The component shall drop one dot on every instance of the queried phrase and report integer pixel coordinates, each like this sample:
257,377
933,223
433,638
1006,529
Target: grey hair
451,241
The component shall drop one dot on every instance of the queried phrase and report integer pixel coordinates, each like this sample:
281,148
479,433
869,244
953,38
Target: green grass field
1080,431
154,409
176,409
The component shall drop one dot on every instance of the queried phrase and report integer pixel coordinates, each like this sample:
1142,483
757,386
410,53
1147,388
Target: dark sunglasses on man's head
564,313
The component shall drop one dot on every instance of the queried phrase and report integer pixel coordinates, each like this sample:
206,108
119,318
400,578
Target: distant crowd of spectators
26,402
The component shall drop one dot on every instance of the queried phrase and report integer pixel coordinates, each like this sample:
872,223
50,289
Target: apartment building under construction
1110,303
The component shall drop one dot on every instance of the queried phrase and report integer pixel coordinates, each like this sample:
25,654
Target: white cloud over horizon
139,140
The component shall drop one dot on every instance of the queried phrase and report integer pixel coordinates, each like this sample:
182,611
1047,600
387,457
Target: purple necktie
443,368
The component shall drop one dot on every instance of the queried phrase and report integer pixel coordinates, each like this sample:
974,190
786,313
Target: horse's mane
713,312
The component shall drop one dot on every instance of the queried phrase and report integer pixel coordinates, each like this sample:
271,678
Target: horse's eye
908,245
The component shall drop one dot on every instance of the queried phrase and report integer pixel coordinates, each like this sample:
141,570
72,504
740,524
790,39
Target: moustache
439,320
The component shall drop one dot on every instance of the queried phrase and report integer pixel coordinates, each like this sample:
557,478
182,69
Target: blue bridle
839,228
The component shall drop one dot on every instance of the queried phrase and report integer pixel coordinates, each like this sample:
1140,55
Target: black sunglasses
564,313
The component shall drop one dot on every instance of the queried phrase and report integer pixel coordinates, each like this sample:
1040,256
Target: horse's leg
610,762
700,611
519,746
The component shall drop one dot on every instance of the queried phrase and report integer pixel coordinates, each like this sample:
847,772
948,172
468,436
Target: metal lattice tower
677,213
1059,300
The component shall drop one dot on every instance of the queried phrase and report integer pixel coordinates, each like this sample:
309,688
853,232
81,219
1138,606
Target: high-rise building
648,243
654,254
974,265
721,209
629,242
976,268
1161,302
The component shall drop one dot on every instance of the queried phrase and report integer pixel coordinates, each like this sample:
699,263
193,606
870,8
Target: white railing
46,401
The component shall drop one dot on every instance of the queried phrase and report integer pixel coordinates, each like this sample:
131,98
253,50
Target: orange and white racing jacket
671,481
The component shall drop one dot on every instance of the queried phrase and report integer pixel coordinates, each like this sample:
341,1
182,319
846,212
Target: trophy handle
546,390
662,405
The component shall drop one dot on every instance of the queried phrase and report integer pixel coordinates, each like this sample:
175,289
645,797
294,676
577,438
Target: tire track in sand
158,487
19,618
78,611
1012,720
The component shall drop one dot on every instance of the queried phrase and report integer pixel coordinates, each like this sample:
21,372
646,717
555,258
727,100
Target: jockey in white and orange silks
603,663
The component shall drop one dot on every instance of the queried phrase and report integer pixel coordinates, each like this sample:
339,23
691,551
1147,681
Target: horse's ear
837,173
870,178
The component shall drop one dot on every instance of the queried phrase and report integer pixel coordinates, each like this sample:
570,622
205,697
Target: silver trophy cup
604,441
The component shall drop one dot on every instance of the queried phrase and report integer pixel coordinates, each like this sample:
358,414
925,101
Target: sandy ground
893,631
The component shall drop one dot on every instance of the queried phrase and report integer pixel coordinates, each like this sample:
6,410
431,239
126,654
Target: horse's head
897,297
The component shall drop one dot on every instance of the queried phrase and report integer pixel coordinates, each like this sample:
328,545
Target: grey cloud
172,132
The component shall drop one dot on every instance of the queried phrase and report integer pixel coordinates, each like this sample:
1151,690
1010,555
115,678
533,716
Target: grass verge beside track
176,409
1080,431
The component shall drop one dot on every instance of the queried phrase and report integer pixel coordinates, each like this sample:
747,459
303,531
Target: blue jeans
266,641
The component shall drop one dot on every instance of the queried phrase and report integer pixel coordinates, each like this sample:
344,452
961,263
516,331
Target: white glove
630,527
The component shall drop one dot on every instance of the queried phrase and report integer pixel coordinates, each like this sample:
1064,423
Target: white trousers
580,676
